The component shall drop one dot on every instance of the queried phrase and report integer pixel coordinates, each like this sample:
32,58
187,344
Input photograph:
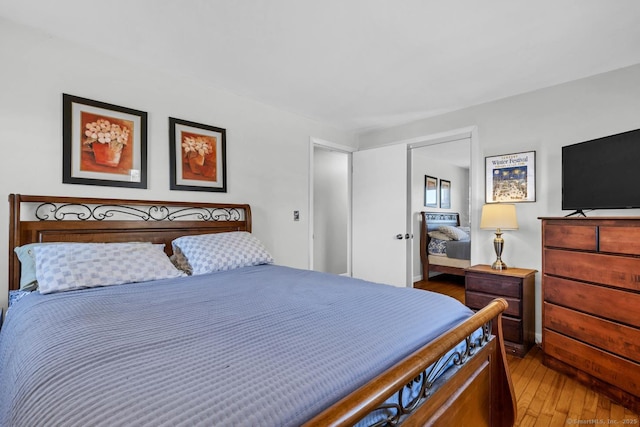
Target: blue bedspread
265,345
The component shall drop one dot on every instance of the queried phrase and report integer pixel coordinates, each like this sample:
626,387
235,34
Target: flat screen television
603,173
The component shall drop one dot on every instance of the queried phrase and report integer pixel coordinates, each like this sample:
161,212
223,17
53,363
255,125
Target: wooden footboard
477,392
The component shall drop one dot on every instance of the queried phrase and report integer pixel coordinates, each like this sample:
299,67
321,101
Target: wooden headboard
35,219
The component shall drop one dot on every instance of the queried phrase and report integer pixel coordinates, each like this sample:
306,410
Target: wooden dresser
591,303
517,287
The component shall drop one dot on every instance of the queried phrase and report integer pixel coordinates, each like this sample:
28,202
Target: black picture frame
430,191
103,144
198,156
445,194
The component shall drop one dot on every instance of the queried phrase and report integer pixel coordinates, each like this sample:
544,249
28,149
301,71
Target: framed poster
430,191
198,156
511,178
103,144
445,194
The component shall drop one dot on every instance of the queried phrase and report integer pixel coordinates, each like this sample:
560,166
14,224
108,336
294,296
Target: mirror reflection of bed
445,249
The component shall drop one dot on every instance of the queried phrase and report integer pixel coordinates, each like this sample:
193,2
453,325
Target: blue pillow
27,258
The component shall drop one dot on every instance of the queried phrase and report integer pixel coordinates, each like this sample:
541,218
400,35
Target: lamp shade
499,216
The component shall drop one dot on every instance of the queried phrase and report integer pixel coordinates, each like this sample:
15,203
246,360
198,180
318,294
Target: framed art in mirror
445,194
430,191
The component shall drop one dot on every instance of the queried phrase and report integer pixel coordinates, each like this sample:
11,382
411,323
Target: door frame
328,145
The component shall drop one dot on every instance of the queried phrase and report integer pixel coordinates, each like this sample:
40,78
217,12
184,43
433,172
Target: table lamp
499,216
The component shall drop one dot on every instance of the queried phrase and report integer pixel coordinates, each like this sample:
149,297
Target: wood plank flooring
546,397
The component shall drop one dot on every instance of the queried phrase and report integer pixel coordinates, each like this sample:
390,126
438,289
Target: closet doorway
330,207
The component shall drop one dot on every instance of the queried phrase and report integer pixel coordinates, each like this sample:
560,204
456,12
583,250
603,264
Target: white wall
426,162
267,148
544,121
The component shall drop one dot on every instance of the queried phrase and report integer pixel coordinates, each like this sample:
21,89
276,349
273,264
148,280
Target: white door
381,248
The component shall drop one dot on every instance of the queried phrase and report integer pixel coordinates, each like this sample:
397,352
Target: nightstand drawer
495,285
512,329
476,301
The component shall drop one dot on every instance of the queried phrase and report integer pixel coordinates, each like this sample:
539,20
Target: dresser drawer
477,301
620,271
499,286
570,236
605,334
605,366
512,329
604,302
622,240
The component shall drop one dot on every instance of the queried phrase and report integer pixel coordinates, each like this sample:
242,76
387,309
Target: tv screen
603,173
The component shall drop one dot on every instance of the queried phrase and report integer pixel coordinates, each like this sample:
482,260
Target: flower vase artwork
106,140
199,154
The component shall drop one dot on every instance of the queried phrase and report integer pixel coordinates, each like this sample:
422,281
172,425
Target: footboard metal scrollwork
412,395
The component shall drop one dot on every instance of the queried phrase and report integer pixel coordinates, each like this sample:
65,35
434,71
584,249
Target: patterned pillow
180,261
454,232
71,266
437,247
439,235
207,253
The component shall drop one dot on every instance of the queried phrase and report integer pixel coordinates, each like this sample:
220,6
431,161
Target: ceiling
355,64
455,153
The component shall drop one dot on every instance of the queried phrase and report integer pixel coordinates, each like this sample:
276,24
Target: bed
260,344
445,247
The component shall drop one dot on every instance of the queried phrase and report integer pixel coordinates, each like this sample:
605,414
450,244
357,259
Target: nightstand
517,287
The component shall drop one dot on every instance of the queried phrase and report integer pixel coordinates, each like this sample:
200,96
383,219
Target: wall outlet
296,215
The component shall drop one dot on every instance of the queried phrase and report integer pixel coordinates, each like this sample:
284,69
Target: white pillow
207,253
454,232
69,266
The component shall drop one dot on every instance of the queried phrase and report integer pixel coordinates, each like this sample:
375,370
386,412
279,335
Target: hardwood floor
447,284
546,397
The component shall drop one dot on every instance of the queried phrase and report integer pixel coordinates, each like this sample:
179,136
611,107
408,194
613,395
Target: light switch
296,215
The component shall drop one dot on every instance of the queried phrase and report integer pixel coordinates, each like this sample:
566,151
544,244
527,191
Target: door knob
399,236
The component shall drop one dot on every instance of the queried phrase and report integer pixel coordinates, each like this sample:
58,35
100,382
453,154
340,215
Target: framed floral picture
103,144
198,156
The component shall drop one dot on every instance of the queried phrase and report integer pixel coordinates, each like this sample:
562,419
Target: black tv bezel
580,210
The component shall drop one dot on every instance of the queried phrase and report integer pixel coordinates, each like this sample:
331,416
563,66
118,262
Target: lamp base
498,245
499,265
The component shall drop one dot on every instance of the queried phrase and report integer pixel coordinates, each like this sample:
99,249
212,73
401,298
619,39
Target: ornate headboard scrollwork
82,212
74,219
